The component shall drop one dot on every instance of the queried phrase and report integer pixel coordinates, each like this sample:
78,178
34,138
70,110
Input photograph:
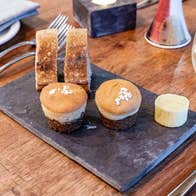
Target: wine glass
194,53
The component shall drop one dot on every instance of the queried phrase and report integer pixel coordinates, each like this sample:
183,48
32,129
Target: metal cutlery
146,3
56,23
185,186
60,23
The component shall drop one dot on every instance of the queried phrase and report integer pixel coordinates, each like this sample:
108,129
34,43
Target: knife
185,186
146,3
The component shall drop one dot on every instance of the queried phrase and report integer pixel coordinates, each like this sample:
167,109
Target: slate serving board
119,158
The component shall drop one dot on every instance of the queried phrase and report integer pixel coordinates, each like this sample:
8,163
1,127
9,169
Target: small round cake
64,105
118,102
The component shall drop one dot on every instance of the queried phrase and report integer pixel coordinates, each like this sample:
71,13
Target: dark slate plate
119,158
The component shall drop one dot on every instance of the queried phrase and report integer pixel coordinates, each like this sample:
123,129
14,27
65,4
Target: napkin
14,10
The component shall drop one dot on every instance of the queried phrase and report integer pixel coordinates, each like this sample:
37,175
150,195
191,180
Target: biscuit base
119,124
67,127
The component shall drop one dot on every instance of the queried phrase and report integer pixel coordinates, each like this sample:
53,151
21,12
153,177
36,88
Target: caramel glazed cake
77,67
64,105
118,102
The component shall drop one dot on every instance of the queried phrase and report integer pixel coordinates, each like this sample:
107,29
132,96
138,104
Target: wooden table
28,166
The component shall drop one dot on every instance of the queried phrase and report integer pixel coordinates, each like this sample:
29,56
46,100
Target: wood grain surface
28,166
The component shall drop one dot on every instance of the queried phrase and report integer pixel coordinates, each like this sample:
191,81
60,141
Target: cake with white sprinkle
118,102
64,105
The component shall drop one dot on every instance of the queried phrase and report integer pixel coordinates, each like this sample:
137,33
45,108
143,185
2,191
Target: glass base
165,46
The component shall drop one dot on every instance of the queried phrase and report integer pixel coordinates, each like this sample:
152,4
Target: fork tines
60,23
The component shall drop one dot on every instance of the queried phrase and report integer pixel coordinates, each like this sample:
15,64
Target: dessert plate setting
117,130
121,158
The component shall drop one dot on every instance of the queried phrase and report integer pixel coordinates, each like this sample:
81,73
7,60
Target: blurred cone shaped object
168,29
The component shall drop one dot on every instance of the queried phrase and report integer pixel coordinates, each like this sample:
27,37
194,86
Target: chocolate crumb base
66,127
119,124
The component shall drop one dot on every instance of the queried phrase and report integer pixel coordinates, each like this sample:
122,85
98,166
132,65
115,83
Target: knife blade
186,185
146,3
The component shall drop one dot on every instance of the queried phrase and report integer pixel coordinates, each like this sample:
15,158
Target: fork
54,24
62,28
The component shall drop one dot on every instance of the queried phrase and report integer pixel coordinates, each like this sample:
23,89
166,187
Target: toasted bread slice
46,58
77,65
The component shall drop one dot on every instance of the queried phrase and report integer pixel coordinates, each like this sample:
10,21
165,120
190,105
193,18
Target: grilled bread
46,58
77,65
